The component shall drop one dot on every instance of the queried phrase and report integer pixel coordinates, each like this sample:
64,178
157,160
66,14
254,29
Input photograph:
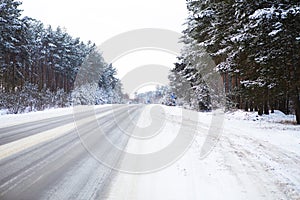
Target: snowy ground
255,158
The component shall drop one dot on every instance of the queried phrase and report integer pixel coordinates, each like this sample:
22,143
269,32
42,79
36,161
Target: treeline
161,95
39,65
256,48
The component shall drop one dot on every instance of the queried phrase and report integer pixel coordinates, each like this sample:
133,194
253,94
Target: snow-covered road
252,160
42,156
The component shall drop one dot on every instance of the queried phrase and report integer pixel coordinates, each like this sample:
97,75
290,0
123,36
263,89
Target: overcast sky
99,20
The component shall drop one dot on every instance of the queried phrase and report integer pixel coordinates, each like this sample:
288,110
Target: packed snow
255,158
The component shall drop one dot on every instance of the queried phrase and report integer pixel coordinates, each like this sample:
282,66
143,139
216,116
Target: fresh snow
270,12
3,112
206,13
267,12
293,10
237,38
274,32
276,117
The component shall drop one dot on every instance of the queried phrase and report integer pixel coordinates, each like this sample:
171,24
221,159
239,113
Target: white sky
99,20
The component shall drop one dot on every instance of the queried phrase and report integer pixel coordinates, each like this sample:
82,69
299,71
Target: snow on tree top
271,12
274,32
265,12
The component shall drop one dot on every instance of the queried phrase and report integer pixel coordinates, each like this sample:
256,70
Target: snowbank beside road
15,119
277,121
276,117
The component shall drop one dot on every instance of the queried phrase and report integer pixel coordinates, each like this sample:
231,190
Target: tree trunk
296,101
266,108
260,110
272,109
251,107
246,107
297,112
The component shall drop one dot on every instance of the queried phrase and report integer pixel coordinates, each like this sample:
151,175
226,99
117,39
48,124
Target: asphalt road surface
61,167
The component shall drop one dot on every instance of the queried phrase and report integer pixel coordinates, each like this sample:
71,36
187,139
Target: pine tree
255,46
39,66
